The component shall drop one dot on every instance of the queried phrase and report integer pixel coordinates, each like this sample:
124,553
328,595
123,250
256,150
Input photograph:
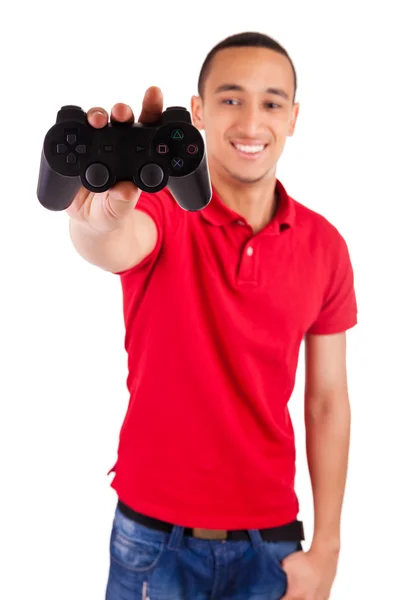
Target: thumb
121,199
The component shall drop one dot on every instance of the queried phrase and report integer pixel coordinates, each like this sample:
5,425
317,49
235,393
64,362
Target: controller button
139,148
108,148
177,134
192,149
61,148
151,175
81,149
71,158
71,106
71,138
177,163
162,149
97,175
177,108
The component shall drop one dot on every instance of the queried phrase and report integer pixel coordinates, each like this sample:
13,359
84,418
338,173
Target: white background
63,362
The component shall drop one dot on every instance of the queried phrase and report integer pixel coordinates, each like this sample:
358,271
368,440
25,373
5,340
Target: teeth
250,149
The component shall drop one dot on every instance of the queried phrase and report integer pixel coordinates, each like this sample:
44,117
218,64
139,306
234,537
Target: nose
250,120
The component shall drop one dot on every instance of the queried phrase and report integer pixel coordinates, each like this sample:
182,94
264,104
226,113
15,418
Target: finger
120,199
97,117
152,105
78,202
123,190
122,113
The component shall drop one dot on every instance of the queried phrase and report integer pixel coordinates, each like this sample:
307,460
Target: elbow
332,407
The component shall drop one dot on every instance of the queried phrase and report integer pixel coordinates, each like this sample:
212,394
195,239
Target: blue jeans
146,564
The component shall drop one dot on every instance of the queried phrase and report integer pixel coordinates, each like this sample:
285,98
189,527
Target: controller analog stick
97,175
151,175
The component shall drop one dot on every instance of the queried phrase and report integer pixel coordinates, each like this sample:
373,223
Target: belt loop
255,537
175,537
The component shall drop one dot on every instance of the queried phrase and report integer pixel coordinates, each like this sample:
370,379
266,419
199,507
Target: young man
216,305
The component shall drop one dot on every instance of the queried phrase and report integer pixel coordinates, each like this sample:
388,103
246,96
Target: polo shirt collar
218,214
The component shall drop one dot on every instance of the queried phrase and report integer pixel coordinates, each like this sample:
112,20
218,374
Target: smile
248,151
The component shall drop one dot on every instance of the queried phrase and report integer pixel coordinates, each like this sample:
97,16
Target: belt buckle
210,534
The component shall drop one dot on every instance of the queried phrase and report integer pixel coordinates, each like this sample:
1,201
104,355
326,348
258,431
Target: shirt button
250,251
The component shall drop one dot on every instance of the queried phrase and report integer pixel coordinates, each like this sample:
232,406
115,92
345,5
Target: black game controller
170,152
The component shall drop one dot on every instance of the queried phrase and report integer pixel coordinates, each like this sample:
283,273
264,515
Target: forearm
116,250
327,443
94,247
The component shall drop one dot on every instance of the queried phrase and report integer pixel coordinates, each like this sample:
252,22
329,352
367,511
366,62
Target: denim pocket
277,551
133,546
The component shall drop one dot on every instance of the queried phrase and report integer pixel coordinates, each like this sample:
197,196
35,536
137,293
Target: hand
107,211
310,575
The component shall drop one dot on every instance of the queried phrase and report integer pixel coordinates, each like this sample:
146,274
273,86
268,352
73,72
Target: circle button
97,175
192,149
151,175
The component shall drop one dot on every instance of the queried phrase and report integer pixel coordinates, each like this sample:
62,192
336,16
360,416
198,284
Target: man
216,305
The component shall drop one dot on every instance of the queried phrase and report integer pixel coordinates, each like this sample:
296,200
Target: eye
272,104
229,101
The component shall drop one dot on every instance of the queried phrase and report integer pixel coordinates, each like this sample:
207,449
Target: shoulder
317,228
321,239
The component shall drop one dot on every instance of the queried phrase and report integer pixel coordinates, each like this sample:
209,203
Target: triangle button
177,134
139,148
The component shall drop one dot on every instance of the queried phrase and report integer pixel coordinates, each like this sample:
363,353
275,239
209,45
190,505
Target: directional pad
71,158
71,138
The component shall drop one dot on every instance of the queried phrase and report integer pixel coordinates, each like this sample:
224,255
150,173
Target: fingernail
98,112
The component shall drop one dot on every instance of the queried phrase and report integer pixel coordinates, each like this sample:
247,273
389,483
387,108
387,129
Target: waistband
290,532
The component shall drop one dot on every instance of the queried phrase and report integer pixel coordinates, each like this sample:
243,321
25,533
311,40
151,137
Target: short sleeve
339,309
160,207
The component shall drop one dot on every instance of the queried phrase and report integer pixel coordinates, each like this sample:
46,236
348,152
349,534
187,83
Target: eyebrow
232,87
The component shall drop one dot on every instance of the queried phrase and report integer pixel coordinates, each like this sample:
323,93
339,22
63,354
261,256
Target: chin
248,177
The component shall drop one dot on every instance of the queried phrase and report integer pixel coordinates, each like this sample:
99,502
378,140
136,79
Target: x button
177,163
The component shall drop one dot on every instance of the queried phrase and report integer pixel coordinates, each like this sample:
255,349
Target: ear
197,112
295,114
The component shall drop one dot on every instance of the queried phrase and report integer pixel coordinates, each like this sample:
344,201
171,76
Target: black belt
291,532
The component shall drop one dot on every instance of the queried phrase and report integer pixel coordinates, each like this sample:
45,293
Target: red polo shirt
215,317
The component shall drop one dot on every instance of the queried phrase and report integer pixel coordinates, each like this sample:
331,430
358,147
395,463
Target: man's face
245,121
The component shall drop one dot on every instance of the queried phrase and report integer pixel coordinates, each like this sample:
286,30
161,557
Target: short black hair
246,39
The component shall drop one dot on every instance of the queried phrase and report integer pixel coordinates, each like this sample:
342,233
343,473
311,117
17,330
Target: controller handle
55,191
192,192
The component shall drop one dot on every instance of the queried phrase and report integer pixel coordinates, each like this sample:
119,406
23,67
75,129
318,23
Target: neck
255,202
